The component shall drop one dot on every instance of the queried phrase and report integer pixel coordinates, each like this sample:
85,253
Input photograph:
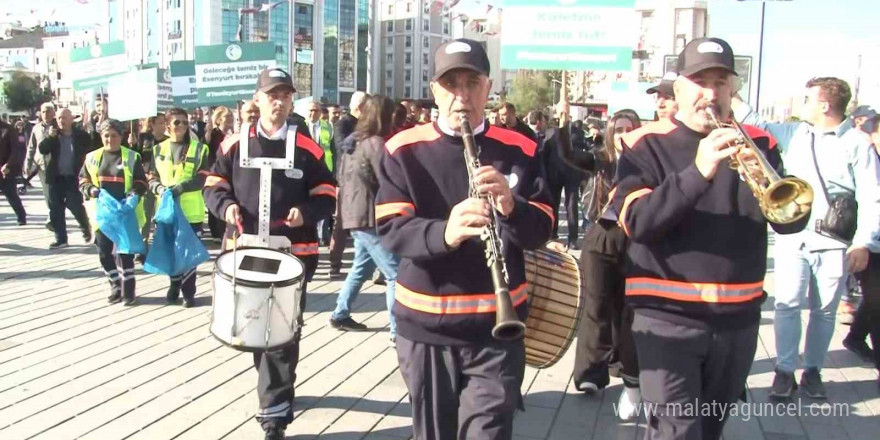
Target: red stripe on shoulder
309,145
419,133
755,133
512,138
663,126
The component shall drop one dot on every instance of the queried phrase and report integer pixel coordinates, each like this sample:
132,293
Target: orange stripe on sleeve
324,189
631,197
395,208
546,209
212,180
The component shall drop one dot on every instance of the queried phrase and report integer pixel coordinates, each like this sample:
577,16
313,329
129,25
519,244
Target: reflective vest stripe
129,160
455,304
395,208
191,202
694,292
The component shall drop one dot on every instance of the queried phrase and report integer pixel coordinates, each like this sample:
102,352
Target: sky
802,39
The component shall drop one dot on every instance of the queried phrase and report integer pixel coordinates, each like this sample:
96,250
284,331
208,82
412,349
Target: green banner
183,84
228,73
92,67
571,34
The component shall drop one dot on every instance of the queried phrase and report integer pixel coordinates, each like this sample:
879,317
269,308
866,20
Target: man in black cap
300,197
462,382
861,114
697,253
666,106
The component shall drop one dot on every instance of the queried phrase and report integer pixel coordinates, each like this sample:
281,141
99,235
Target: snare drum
257,294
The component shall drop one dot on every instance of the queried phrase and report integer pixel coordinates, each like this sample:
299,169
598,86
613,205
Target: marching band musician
462,382
180,164
698,247
300,197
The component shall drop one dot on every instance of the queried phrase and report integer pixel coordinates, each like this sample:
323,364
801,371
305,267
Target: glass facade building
303,42
331,49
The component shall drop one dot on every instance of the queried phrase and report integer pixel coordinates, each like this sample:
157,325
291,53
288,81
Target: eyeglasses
178,122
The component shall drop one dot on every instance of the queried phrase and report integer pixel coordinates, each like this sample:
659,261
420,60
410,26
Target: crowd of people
674,250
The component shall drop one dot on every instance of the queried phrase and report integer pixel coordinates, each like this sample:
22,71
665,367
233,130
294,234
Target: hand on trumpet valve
714,148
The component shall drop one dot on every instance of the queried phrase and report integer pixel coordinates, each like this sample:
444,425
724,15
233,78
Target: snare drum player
698,250
463,384
300,197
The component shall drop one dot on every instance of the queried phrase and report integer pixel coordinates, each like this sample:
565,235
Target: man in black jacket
64,150
507,115
11,152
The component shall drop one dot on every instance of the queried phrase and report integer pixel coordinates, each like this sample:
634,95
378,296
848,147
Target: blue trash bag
118,221
176,247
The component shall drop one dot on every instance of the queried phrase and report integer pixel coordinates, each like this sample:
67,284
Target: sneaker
114,298
587,387
87,236
58,245
783,385
335,272
860,348
630,398
129,301
275,434
811,382
347,325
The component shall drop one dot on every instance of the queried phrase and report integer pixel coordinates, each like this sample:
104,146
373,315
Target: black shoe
860,348
50,227
347,325
58,245
129,301
275,434
140,259
572,245
588,388
783,385
22,222
811,382
188,302
114,298
172,295
87,236
335,273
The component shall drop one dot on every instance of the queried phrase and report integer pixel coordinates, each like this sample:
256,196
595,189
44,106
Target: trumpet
782,200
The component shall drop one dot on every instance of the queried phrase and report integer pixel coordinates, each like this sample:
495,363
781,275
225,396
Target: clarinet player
463,383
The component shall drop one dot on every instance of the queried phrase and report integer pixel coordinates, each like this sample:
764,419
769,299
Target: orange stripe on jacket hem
395,208
304,248
694,292
631,197
546,209
456,304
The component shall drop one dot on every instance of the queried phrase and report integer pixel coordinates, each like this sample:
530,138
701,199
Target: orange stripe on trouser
631,197
304,248
323,190
455,304
694,292
395,208
546,209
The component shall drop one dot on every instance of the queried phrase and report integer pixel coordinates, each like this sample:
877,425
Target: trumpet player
462,382
698,245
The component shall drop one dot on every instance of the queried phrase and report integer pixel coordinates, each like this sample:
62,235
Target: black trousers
867,319
186,282
687,371
604,343
11,192
572,196
276,370
118,267
462,392
64,195
216,225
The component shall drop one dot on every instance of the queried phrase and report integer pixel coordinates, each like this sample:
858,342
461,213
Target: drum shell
555,302
248,307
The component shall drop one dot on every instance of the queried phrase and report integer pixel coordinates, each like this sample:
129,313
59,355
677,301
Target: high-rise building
409,31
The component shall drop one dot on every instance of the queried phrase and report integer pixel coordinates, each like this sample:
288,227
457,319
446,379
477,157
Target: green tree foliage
531,92
23,93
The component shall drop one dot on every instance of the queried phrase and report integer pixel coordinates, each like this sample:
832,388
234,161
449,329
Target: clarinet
507,327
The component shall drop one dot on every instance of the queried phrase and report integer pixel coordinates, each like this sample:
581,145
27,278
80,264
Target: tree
531,92
23,93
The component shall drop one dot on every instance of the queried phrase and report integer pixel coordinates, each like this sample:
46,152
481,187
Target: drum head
260,265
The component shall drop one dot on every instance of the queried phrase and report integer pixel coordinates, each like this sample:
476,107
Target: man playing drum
300,196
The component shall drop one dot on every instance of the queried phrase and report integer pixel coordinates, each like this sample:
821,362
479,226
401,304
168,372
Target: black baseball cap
460,54
864,110
665,85
273,78
705,53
